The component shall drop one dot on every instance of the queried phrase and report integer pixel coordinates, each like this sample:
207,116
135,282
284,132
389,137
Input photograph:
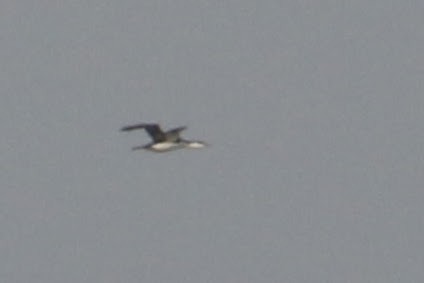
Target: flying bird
163,141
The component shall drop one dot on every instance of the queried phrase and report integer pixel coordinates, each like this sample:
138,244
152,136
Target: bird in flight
163,141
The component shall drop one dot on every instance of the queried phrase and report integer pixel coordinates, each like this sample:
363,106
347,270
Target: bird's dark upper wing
153,130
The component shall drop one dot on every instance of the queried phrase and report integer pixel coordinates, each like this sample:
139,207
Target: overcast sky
313,109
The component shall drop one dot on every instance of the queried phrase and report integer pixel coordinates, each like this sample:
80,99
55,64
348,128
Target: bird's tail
138,147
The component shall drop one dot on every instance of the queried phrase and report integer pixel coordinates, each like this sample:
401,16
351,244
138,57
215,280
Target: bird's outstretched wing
153,130
173,135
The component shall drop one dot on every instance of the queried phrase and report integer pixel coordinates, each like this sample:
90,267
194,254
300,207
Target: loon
163,141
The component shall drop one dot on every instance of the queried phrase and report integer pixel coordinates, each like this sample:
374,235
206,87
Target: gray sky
314,113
